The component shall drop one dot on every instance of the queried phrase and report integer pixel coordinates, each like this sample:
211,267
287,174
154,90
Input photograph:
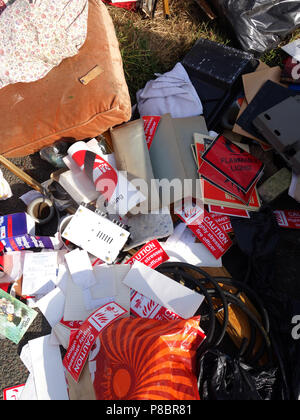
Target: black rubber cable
263,326
253,297
167,267
264,334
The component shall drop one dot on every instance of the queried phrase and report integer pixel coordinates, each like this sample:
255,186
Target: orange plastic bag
146,359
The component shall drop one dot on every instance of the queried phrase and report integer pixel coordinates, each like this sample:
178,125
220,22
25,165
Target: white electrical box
96,234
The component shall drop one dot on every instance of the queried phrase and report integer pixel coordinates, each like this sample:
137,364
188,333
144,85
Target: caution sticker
152,255
143,307
81,345
205,228
288,218
150,127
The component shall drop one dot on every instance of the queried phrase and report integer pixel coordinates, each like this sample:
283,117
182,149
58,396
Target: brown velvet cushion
34,115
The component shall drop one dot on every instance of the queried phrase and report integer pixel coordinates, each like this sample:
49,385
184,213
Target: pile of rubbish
125,250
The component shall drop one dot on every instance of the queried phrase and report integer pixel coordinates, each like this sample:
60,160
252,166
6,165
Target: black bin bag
224,378
260,25
258,238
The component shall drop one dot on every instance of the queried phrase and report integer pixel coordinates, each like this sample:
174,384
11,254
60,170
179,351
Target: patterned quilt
37,35
5,3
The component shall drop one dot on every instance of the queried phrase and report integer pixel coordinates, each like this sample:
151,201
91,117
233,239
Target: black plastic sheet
225,378
260,25
257,238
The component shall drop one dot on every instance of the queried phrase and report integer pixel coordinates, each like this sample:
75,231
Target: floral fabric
36,35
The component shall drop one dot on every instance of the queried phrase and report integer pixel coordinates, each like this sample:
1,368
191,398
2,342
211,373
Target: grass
140,62
155,46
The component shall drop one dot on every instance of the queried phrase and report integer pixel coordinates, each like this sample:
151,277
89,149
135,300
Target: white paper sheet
39,273
26,357
29,391
62,276
75,309
115,274
48,370
293,49
294,190
52,306
109,283
13,266
163,290
80,268
61,334
195,254
182,247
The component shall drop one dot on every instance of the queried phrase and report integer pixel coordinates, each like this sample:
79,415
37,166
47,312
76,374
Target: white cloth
36,35
5,190
171,93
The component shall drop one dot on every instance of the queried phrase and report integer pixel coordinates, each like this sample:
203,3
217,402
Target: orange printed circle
121,383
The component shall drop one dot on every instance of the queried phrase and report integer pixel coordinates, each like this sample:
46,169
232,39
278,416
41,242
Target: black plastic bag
260,25
223,378
257,238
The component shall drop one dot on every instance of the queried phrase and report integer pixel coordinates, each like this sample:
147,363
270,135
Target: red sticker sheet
205,228
223,221
86,335
143,307
288,218
152,254
217,196
150,127
228,211
13,393
216,178
239,166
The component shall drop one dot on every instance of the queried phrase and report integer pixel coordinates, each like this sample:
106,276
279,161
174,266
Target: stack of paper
228,173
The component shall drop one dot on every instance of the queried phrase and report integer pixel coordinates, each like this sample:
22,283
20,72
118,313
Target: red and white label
150,127
143,307
81,345
288,218
116,191
223,221
13,393
205,228
228,211
71,324
234,163
152,255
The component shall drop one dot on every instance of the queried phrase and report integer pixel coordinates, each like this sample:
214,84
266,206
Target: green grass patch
140,62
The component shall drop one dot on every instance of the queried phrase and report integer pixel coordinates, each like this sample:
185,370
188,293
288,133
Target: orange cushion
34,115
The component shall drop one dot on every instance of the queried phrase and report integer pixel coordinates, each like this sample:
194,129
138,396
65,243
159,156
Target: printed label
206,229
81,345
229,211
13,393
223,221
20,243
143,307
236,164
15,317
288,218
219,180
215,195
152,255
150,127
